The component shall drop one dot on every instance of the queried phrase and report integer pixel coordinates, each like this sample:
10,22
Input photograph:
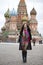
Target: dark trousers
24,55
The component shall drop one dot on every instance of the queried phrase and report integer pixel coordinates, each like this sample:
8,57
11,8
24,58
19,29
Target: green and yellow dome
25,18
7,14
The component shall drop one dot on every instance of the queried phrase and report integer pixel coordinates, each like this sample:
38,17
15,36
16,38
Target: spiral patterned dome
33,12
13,12
7,13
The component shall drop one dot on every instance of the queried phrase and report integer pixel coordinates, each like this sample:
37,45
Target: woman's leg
24,55
25,52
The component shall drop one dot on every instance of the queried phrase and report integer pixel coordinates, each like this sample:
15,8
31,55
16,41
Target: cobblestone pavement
10,55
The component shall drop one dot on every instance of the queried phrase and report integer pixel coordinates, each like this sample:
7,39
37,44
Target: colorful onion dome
13,13
33,12
33,21
7,14
25,18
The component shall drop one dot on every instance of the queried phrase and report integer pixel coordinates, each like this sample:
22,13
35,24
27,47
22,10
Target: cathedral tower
34,24
33,21
22,11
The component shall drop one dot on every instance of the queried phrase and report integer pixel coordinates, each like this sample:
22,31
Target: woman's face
25,26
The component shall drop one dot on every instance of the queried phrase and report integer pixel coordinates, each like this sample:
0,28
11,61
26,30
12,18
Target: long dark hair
21,32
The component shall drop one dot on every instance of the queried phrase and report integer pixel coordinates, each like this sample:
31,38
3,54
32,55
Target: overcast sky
37,4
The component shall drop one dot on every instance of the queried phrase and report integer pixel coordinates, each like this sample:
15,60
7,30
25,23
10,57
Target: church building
14,22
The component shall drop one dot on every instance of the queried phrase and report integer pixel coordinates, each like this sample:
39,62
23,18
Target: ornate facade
14,21
34,24
22,11
11,25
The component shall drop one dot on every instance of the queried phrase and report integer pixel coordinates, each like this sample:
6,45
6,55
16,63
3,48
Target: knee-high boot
25,56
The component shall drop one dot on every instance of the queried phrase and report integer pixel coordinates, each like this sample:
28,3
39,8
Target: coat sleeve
30,35
19,40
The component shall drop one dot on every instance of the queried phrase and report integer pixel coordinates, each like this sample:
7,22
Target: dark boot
25,56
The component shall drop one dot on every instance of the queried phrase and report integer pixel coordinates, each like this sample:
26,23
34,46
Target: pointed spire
22,6
21,0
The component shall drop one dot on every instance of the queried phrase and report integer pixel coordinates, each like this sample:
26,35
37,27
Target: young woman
25,41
